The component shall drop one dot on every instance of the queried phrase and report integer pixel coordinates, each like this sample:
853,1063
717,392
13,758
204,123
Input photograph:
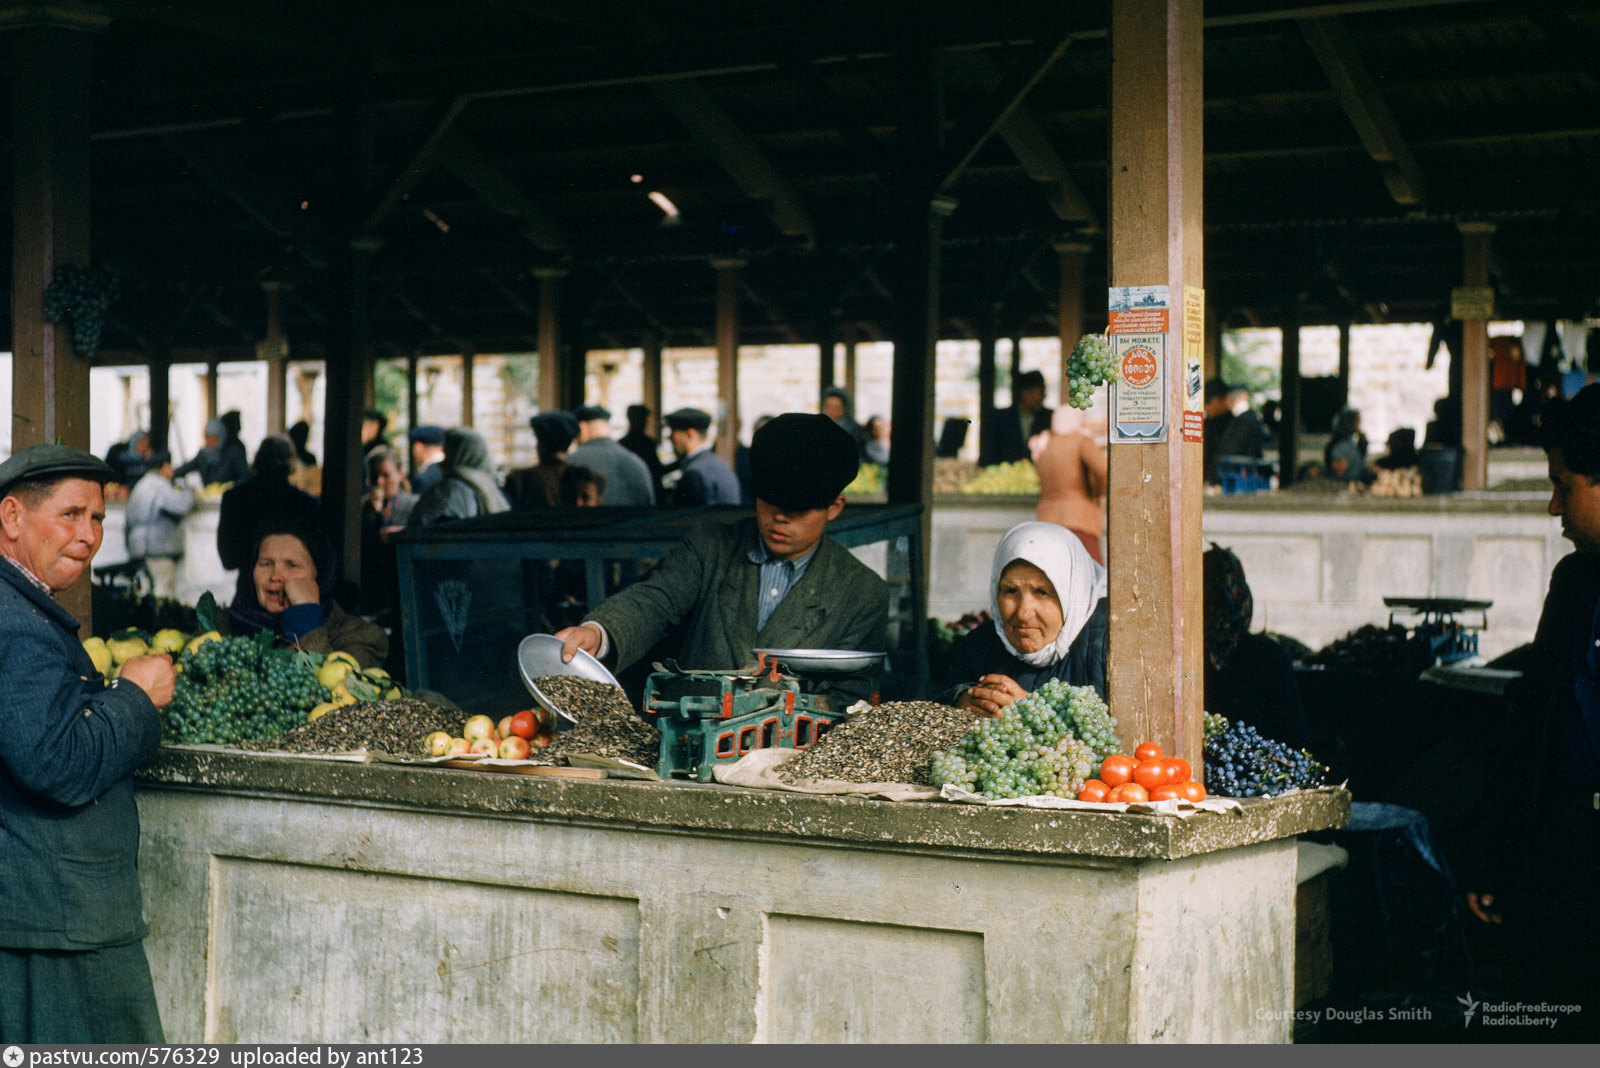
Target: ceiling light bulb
660,200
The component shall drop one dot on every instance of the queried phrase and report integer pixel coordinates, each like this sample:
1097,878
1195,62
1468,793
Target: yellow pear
125,649
167,641
332,673
343,658
321,710
200,639
342,695
96,648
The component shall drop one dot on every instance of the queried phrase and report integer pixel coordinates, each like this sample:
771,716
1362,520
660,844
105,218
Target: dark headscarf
246,613
1228,604
466,456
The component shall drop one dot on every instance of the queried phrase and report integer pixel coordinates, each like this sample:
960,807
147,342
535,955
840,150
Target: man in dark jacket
72,961
1005,439
704,477
639,442
775,581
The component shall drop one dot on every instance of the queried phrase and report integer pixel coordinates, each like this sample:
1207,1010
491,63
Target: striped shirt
38,582
777,579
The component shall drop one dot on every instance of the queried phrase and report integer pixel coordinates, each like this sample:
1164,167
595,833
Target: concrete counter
314,901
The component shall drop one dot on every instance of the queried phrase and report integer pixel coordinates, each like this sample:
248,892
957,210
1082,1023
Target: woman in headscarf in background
1248,677
1048,599
468,487
290,594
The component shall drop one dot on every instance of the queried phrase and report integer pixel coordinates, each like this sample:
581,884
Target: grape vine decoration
1090,366
80,297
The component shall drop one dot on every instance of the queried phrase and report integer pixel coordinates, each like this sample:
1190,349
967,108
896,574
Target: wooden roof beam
737,153
1358,94
245,186
495,188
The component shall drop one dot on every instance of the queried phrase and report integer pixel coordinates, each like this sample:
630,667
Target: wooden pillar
1289,422
652,381
986,385
160,398
1344,359
413,360
727,356
467,358
1212,364
209,383
1016,364
1069,303
550,363
1475,238
851,341
1155,651
827,339
276,353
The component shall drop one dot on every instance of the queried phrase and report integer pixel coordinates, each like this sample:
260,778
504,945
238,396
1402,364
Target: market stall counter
299,901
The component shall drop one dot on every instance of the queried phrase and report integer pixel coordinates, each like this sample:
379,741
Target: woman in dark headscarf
468,487
265,496
539,486
1248,676
289,593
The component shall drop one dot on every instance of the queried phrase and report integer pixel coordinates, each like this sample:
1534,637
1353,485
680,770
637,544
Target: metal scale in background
1445,638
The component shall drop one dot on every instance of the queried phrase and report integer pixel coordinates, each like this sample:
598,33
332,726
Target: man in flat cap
72,962
704,477
427,453
774,581
627,477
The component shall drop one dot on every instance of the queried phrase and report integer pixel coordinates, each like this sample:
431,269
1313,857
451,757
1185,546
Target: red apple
484,746
503,728
477,727
514,748
458,746
524,724
539,740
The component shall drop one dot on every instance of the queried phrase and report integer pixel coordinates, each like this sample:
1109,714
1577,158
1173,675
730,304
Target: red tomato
1166,792
1150,773
1192,791
1093,790
1148,751
1127,792
1118,769
1178,769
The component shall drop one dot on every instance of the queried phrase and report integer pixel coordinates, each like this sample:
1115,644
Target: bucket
1440,468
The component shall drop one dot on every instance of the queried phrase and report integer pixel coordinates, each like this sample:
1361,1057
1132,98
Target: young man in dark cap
775,581
72,961
704,477
427,453
627,478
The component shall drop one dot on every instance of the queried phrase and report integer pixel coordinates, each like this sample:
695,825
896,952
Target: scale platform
1449,639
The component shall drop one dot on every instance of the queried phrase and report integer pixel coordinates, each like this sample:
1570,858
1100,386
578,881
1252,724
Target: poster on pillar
1140,318
1194,328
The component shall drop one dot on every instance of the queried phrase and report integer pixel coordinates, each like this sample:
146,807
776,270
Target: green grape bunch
1047,743
81,297
240,689
1089,367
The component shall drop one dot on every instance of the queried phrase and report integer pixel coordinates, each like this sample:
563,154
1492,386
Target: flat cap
591,411
689,419
554,431
800,461
428,434
43,462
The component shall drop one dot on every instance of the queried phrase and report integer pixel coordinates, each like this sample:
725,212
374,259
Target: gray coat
709,585
627,477
706,479
154,508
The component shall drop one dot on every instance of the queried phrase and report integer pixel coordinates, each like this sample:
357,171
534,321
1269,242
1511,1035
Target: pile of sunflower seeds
607,724
395,727
891,743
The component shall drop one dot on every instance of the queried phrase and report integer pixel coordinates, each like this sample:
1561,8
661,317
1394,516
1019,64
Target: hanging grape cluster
1047,743
1241,763
1090,366
240,688
81,296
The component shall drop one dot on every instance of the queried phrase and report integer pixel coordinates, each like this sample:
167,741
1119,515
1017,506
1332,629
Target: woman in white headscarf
1048,598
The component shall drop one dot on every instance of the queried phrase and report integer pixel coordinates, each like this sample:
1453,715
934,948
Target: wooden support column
727,356
413,360
1069,304
652,381
1016,364
827,339
851,341
209,384
1289,422
550,363
1475,238
467,358
1155,652
1344,359
1212,362
276,352
160,398
986,385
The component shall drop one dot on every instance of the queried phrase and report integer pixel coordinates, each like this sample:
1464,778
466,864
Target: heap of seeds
395,727
891,743
607,724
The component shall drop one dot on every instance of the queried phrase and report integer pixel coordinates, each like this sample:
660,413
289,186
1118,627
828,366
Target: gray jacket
627,477
151,518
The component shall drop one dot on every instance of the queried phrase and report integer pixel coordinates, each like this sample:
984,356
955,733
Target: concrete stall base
296,901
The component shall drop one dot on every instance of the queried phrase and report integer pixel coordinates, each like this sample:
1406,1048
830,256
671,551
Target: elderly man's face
56,538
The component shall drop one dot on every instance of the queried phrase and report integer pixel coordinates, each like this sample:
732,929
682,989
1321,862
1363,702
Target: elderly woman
468,487
291,595
1248,676
1048,599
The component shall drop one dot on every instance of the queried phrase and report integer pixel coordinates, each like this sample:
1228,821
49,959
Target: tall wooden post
550,365
652,380
160,398
1069,303
467,401
986,384
209,387
727,356
413,359
1344,359
827,338
1289,416
50,64
1475,237
276,352
1212,363
850,343
1155,650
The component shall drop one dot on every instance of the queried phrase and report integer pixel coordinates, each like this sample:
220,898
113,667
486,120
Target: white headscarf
1080,582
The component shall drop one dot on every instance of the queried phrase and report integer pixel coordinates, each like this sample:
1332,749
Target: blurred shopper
466,486
1248,677
208,462
1072,480
1346,455
1005,439
639,442
704,477
306,473
530,488
427,456
876,449
266,496
838,405
152,521
384,510
627,477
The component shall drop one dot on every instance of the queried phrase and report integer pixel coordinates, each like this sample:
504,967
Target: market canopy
1345,143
